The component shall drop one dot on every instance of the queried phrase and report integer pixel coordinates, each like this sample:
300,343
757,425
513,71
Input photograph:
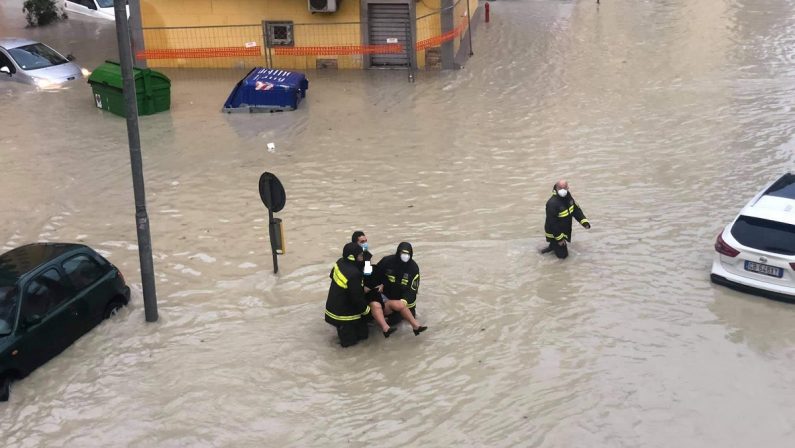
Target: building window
280,34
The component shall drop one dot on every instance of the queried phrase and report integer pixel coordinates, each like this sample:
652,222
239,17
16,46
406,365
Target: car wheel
5,387
113,308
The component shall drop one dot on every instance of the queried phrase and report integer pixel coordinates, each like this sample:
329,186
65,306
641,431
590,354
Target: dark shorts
374,296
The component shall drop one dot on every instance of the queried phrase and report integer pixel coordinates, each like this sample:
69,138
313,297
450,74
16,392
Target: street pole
410,50
469,29
271,231
134,139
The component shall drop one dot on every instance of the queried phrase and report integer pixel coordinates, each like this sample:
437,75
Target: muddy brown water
666,116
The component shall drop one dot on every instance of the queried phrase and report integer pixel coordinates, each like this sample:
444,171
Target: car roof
776,203
14,42
17,262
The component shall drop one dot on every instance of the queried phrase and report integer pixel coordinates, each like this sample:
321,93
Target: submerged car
32,62
50,295
102,9
756,252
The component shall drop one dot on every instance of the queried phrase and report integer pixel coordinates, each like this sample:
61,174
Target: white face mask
563,192
405,258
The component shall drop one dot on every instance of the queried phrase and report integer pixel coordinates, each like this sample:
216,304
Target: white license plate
765,269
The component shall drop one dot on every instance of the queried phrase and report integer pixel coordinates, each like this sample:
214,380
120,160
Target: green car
50,295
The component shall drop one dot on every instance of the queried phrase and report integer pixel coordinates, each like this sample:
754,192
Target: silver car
32,62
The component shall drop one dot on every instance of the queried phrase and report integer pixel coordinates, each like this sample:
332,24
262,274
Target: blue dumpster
267,90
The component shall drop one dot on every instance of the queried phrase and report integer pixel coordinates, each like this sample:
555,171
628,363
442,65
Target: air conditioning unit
323,5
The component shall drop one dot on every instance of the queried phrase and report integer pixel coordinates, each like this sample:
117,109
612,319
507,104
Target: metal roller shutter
387,22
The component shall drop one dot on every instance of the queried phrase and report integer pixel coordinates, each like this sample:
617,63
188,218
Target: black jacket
372,280
345,302
559,213
401,280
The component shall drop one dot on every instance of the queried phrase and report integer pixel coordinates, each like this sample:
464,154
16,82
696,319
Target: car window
86,3
5,62
82,271
784,187
36,56
109,3
766,235
9,299
43,294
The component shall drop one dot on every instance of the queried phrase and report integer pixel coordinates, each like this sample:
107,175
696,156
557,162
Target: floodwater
666,117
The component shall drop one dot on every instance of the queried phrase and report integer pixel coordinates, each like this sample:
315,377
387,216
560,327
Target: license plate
765,269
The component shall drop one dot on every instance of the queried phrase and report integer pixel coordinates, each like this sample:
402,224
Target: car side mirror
6,70
32,320
70,57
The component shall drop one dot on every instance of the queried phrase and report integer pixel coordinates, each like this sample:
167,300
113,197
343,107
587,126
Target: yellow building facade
289,34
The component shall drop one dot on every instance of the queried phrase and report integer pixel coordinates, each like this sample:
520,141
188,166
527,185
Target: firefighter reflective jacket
560,211
345,302
401,279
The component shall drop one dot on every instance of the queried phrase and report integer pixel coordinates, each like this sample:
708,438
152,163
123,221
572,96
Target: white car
102,9
756,252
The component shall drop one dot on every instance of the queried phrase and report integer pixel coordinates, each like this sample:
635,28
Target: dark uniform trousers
353,332
560,251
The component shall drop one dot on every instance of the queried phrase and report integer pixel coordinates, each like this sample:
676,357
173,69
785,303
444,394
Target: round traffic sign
271,192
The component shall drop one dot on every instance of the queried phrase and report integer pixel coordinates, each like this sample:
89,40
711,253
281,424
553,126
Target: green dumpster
152,88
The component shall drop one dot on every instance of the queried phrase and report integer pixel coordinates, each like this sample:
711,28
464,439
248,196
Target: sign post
136,163
273,196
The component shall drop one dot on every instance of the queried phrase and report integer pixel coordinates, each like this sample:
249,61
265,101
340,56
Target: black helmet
351,251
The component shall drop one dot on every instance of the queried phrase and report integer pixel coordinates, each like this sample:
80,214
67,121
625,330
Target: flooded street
665,116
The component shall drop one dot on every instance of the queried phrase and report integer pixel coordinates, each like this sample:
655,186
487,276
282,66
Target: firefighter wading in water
561,207
346,307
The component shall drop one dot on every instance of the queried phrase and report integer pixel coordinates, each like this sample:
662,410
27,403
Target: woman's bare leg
399,307
378,314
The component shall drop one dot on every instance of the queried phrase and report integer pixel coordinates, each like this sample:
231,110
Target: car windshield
36,56
766,235
8,309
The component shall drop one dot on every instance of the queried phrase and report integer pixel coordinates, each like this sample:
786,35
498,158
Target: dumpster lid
109,73
270,78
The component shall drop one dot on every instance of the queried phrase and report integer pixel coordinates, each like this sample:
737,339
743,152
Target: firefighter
372,287
400,276
346,306
561,208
